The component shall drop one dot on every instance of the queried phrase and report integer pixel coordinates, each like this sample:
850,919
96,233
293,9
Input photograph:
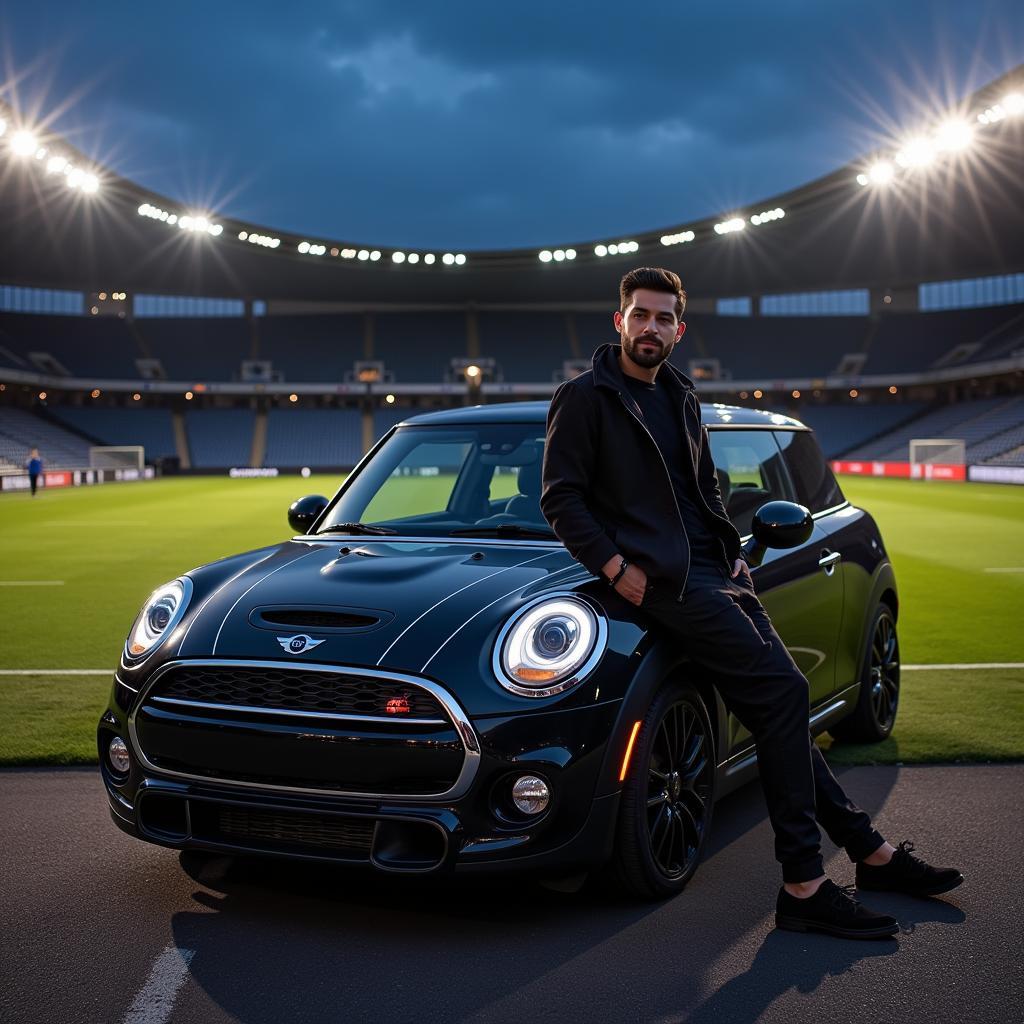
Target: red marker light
398,706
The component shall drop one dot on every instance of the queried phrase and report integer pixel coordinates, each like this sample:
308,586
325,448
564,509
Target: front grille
287,829
297,690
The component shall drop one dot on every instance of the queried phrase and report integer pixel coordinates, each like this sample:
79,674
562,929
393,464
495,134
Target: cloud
395,67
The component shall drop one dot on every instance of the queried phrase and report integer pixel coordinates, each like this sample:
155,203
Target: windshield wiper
357,528
503,530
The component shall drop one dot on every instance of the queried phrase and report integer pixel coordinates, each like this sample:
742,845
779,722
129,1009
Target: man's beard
645,357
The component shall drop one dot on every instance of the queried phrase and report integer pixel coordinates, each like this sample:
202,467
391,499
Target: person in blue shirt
34,467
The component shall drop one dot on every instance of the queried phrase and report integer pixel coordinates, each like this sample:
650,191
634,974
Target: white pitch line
56,671
1012,568
31,583
966,667
154,1002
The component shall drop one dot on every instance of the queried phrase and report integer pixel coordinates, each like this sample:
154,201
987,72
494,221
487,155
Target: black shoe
832,910
907,873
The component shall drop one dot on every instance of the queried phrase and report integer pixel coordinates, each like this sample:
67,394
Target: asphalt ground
99,927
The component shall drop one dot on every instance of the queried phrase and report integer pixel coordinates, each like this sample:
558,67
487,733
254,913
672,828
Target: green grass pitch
110,546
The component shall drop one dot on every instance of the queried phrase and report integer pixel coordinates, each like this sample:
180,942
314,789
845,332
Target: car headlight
160,614
549,646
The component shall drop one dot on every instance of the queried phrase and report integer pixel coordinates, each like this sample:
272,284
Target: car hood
425,596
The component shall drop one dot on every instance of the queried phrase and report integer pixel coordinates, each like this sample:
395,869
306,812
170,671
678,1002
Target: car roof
715,414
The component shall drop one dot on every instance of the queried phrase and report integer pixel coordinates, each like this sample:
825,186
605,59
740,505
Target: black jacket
606,488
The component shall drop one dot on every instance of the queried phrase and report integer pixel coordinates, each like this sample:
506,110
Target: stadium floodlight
1013,104
303,247
448,259
862,179
91,185
460,259
570,254
41,152
414,257
730,226
243,235
24,143
881,172
429,259
398,257
375,255
600,250
56,164
364,254
953,136
76,178
918,152
559,255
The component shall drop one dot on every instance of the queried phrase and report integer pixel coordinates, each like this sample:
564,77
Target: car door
850,543
804,602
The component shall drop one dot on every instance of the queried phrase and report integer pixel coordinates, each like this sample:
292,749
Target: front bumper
470,827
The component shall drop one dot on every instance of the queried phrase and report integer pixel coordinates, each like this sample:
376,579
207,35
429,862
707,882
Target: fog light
530,794
117,754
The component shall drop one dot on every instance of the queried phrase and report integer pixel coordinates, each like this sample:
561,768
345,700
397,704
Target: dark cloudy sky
468,124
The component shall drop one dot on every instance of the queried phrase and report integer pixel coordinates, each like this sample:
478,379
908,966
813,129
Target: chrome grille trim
245,709
465,730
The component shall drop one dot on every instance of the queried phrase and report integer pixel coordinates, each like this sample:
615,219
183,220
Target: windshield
434,481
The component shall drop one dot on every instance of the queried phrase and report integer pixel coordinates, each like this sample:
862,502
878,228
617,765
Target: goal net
129,456
947,451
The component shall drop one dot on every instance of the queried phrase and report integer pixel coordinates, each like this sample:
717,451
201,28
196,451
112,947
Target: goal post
938,458
128,456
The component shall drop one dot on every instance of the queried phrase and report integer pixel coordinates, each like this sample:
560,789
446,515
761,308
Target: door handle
829,560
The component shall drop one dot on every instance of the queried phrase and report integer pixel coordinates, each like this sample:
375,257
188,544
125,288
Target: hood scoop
335,620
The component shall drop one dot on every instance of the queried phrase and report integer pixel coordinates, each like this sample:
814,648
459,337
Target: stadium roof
886,221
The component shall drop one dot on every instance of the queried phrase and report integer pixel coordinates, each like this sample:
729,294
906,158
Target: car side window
816,487
750,472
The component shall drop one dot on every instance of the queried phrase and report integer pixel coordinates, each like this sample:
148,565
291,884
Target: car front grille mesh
292,829
298,690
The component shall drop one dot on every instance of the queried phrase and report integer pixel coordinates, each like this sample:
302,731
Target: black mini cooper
424,680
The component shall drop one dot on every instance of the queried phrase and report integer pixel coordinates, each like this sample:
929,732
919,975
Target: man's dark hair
655,279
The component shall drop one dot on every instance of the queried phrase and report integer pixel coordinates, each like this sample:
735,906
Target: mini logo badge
298,644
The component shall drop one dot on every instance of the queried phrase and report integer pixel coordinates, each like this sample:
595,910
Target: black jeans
727,633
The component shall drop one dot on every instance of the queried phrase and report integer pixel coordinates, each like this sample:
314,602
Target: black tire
874,715
668,796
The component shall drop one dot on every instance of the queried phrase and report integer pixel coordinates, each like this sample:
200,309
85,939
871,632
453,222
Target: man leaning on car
672,551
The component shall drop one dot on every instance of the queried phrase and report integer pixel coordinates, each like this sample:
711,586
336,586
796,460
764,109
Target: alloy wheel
679,789
884,678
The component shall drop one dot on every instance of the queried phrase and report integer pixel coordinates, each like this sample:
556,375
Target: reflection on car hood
421,592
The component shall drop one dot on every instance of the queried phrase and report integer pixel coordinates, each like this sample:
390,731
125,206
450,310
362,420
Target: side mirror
778,524
304,512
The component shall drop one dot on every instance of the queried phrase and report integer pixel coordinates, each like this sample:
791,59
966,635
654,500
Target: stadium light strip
186,221
615,248
25,145
953,135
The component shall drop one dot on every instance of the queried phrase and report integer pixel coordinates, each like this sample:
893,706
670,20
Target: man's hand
633,583
738,565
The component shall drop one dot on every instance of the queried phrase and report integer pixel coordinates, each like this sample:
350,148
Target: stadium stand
417,347
152,428
313,437
841,427
972,422
82,346
905,342
527,347
198,348
770,348
220,437
21,430
318,347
